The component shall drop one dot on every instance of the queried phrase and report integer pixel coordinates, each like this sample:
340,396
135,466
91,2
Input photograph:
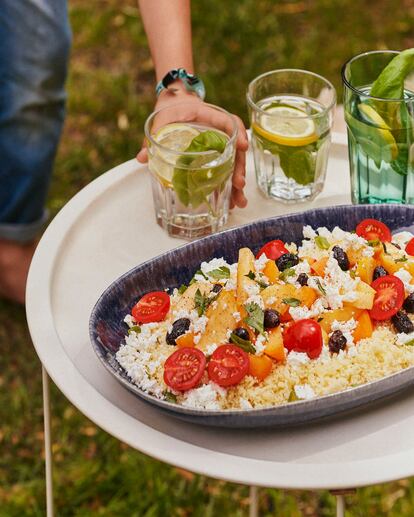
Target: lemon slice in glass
286,126
382,129
177,137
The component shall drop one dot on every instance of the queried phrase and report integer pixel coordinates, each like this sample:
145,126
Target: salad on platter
293,322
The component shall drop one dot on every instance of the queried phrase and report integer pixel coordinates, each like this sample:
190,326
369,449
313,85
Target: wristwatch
191,82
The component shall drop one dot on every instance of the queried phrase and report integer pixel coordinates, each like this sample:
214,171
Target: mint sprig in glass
378,102
191,165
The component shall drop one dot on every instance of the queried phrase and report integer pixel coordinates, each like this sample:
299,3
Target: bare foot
14,266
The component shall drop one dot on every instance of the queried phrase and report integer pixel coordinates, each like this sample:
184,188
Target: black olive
217,288
179,328
271,319
379,271
303,279
402,323
242,333
341,257
409,303
286,261
337,342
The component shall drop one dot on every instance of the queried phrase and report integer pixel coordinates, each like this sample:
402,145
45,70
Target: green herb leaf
221,272
198,272
182,289
320,287
293,302
255,317
170,397
201,302
244,344
390,82
286,273
373,243
135,328
292,396
193,180
251,275
402,259
322,242
410,343
352,273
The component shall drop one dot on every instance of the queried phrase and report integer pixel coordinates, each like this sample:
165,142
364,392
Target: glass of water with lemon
291,113
378,102
191,165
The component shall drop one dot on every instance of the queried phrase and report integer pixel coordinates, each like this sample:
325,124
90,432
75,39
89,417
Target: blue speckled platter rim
286,414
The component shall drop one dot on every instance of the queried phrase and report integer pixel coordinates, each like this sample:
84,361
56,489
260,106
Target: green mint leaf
286,273
251,275
390,82
221,272
201,302
135,328
320,287
255,317
293,302
182,289
402,259
322,242
244,344
198,272
170,397
193,180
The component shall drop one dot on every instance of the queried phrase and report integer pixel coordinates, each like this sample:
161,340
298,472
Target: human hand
197,110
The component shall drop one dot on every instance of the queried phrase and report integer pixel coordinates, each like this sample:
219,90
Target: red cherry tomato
388,298
228,365
304,336
184,368
273,250
371,230
151,307
409,248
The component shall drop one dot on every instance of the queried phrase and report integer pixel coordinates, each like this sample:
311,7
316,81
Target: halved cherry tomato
151,307
372,230
228,365
304,336
184,368
388,298
409,248
273,249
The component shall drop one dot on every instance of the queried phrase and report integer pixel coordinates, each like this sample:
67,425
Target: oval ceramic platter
107,328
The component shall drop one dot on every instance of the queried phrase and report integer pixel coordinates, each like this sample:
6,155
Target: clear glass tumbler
380,133
291,113
191,160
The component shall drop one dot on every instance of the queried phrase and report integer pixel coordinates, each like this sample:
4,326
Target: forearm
168,27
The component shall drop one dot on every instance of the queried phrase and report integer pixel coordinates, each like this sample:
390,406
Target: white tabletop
107,229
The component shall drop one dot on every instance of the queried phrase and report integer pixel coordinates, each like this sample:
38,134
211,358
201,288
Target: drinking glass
380,133
291,113
191,161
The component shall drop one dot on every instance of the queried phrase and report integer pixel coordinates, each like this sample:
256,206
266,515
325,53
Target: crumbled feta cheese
245,404
304,391
260,263
401,238
271,300
230,284
236,316
301,313
260,344
199,325
130,320
405,278
257,299
302,267
214,263
297,358
204,397
252,288
196,339
346,327
309,232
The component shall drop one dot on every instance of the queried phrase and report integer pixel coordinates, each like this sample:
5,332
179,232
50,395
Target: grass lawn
110,91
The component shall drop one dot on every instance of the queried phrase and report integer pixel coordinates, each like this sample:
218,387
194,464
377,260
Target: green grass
110,90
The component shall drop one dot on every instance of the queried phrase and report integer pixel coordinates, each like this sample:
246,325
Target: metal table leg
340,506
254,502
48,443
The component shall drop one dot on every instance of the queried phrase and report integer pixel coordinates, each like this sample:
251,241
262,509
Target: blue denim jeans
34,50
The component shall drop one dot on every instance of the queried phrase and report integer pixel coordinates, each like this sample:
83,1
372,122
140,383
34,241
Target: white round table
107,229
